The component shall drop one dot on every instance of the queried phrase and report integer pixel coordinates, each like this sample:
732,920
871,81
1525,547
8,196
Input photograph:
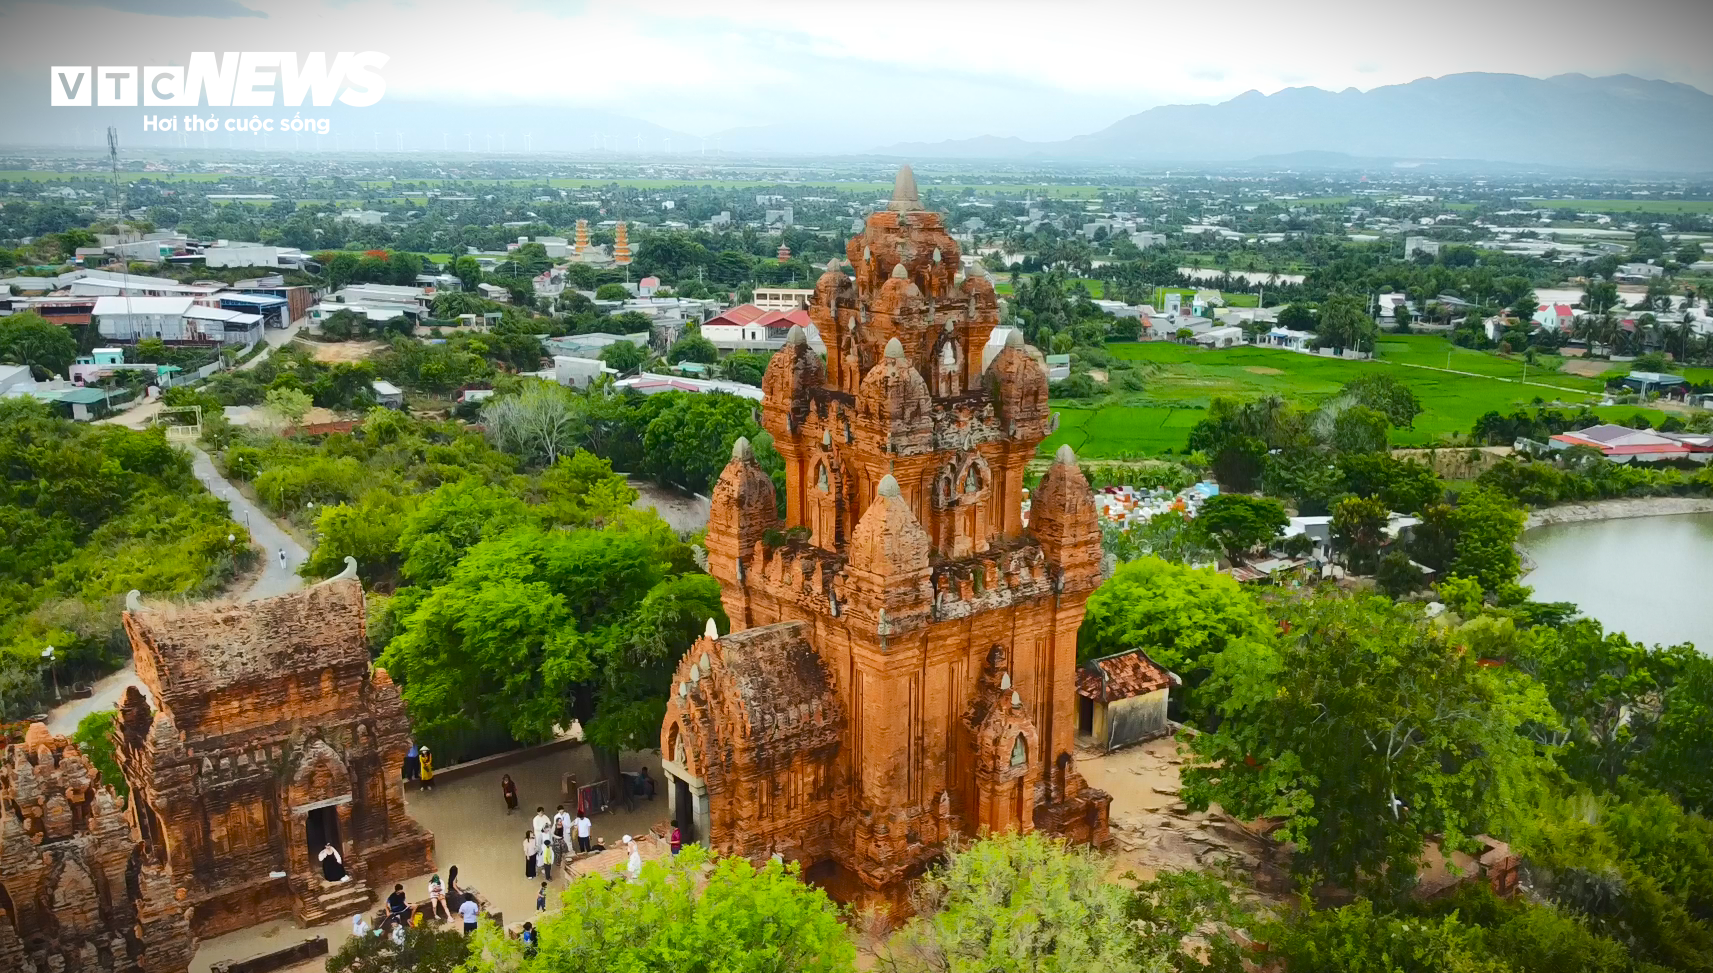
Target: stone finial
1065,455
905,198
888,483
349,572
134,600
894,348
796,336
711,631
1016,701
741,450
899,272
975,270
1014,339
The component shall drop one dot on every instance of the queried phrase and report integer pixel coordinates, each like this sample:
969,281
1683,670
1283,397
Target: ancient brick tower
903,656
76,895
270,737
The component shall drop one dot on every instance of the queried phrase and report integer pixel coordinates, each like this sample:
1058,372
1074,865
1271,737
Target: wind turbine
401,140
377,141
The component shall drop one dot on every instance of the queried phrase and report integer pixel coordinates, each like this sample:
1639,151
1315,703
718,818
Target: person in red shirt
677,838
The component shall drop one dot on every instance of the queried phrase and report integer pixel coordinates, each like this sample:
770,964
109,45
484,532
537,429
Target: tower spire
904,195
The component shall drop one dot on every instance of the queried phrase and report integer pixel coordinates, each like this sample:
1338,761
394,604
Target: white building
1420,244
252,255
174,319
783,298
579,372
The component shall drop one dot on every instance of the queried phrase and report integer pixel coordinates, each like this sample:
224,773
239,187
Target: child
541,898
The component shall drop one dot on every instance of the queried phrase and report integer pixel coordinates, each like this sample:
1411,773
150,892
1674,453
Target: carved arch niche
826,490
948,366
963,493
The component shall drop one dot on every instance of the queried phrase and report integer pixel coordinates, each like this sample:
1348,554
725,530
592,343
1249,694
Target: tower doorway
684,806
321,828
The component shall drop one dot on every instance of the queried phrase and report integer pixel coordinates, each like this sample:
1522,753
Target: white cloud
923,68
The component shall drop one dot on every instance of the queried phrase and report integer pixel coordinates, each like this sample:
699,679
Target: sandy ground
1153,830
334,352
684,513
473,831
1588,368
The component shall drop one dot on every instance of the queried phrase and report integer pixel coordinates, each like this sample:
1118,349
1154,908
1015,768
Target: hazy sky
923,69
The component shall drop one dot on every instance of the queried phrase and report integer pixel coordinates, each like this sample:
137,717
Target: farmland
1180,381
1625,205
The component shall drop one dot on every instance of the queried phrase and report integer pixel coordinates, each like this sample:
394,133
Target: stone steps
346,898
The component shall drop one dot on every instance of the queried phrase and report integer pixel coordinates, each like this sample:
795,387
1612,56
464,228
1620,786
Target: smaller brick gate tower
270,738
902,663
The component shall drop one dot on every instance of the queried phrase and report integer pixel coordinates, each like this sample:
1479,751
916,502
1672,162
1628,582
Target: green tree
1344,323
1365,731
624,356
1298,317
747,367
468,270
689,441
1017,902
430,948
288,406
1401,485
1182,617
1396,575
1358,532
682,914
94,739
27,339
611,292
691,346
1358,429
1240,523
1168,535
1386,395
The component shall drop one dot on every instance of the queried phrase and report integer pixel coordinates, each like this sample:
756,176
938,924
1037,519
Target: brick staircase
336,900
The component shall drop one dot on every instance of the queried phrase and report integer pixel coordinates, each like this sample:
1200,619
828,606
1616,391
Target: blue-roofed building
273,309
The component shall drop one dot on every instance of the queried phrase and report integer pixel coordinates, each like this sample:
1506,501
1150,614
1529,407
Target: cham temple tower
902,663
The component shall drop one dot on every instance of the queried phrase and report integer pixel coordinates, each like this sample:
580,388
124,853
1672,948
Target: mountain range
1570,121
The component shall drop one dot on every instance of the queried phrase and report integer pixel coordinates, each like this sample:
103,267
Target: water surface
1644,576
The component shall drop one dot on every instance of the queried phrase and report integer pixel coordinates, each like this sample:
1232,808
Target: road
278,577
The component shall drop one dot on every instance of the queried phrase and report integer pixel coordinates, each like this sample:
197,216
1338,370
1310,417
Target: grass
1433,351
1181,380
1626,205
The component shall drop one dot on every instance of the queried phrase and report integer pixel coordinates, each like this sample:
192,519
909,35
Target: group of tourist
419,765
443,898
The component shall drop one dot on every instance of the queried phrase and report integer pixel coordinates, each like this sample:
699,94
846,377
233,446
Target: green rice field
1181,380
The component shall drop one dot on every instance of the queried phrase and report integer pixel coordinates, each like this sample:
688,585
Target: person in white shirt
633,867
541,822
469,911
359,925
582,825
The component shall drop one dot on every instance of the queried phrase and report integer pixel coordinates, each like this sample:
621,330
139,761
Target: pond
1643,576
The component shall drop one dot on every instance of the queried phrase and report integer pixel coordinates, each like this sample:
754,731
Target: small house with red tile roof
1121,700
1555,317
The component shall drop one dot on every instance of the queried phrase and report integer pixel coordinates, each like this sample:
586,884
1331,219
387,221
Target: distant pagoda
784,253
581,245
621,245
